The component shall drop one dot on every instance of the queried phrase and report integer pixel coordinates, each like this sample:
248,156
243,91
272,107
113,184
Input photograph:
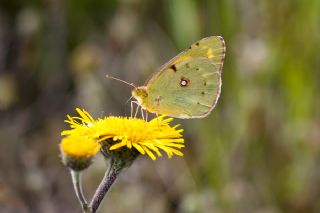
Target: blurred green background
258,151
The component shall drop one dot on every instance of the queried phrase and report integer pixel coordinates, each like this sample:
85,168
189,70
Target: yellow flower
147,137
77,151
79,147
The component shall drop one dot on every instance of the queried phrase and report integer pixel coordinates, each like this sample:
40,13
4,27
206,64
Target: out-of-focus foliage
257,152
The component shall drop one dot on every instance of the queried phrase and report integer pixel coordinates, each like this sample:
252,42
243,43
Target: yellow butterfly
189,85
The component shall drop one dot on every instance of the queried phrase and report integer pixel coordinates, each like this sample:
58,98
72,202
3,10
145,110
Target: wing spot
184,82
197,44
173,67
197,69
205,83
202,93
210,53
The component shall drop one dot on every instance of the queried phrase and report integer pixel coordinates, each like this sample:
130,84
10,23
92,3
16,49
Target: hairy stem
106,183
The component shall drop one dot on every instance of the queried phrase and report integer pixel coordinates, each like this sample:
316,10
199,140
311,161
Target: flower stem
77,185
106,183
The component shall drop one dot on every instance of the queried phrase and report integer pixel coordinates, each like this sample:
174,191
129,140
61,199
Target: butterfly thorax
140,94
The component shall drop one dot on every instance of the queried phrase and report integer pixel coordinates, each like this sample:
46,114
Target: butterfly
189,85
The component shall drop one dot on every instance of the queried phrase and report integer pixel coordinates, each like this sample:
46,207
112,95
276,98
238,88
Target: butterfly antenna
117,79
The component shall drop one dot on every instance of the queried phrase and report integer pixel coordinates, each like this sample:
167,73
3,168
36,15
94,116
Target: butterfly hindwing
186,89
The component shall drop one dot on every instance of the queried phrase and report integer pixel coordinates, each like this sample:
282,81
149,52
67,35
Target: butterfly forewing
212,47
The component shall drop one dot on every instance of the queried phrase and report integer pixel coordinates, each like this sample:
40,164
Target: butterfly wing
191,90
200,67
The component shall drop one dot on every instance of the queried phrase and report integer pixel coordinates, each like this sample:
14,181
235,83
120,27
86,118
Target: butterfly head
140,94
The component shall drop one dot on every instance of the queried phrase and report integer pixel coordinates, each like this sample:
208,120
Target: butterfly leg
132,108
137,109
142,114
157,120
146,115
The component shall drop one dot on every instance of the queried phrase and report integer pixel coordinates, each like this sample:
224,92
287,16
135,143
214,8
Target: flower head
77,152
147,137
